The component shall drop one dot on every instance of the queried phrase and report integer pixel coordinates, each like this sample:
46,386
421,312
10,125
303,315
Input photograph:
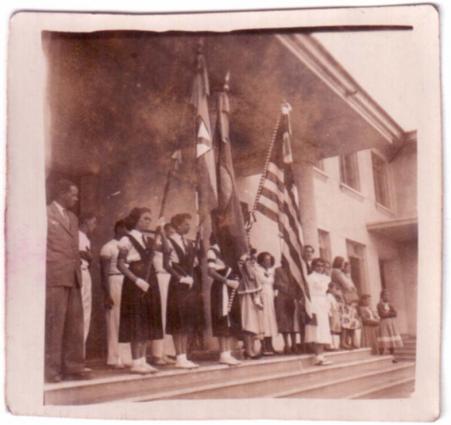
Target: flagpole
263,176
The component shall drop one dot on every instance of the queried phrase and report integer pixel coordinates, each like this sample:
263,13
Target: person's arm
104,267
232,283
367,320
383,314
87,256
392,311
122,267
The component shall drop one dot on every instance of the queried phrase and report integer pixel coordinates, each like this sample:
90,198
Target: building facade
116,112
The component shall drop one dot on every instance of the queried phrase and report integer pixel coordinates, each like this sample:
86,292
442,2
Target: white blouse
125,244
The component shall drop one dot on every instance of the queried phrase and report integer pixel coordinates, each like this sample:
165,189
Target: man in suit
64,313
307,254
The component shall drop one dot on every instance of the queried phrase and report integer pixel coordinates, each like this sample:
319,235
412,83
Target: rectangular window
380,176
357,262
349,170
324,245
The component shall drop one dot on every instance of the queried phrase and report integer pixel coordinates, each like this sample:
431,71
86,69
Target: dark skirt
285,311
140,318
182,315
224,326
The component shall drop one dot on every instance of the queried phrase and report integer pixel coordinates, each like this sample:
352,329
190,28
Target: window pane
349,170
380,180
324,245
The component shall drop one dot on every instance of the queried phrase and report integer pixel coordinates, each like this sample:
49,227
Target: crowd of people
151,282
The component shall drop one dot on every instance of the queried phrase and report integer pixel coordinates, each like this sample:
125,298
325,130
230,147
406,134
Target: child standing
389,337
370,322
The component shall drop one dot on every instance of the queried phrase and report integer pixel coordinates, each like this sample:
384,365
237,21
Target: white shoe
185,364
150,368
318,361
229,360
326,362
140,369
192,364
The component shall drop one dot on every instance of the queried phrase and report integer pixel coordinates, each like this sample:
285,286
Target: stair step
401,388
264,386
345,387
125,385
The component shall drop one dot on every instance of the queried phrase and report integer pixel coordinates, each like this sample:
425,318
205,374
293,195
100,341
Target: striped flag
205,161
279,202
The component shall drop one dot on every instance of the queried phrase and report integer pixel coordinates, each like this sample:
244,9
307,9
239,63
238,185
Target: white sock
181,358
136,362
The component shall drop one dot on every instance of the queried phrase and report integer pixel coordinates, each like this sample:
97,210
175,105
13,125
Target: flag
279,202
205,162
228,220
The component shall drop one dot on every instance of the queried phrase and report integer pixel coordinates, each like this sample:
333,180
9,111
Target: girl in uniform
225,307
140,312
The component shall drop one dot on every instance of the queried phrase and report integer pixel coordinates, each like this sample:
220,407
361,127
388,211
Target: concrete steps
408,352
401,388
280,376
355,384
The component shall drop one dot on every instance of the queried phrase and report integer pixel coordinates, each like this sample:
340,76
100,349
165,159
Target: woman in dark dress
225,307
286,294
140,315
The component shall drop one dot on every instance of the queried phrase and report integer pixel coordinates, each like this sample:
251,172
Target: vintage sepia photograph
228,208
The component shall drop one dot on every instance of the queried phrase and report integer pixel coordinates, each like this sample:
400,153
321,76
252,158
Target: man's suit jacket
63,258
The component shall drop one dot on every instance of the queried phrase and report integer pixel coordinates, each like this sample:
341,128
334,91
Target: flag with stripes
205,161
279,202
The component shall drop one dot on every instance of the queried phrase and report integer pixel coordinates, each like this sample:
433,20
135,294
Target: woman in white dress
265,274
317,331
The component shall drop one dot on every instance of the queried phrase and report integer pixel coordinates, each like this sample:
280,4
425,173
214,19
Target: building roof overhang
116,86
398,230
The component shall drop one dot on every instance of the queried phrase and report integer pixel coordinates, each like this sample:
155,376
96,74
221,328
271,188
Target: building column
304,177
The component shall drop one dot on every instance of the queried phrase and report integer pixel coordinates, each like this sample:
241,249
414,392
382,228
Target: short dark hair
62,186
178,219
338,262
167,226
118,224
308,247
133,217
86,216
262,255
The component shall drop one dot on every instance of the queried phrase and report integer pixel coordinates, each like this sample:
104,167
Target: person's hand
108,302
142,284
276,292
232,283
187,280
